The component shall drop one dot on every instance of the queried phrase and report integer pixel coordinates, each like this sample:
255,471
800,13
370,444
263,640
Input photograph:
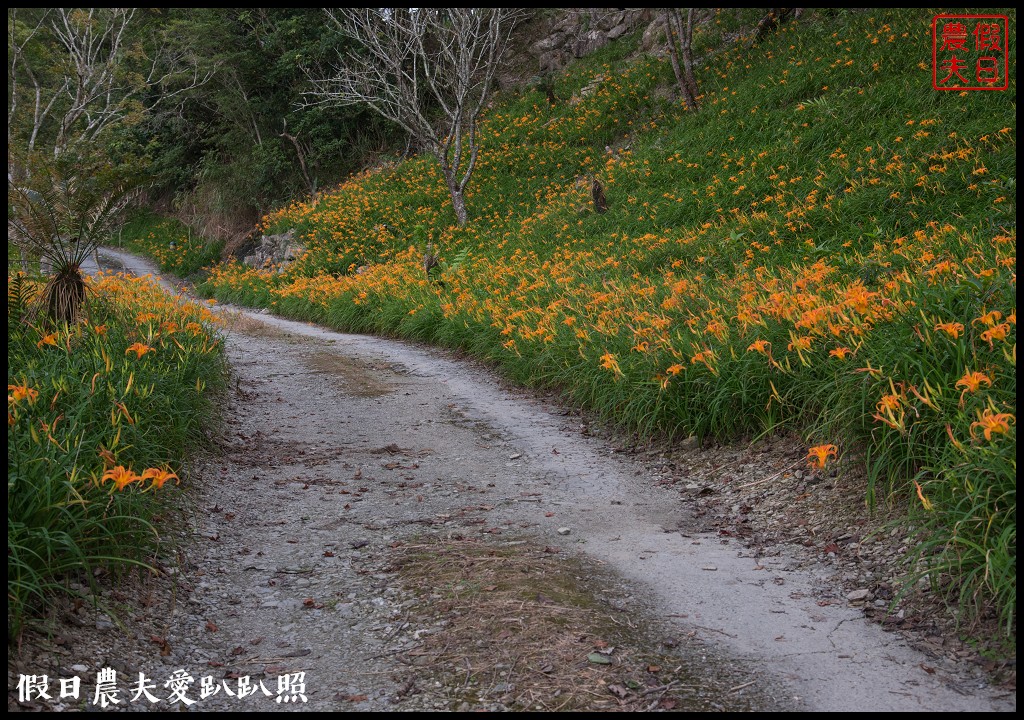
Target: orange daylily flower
840,352
859,298
890,412
801,343
707,357
953,329
139,349
761,346
888,403
17,393
608,362
993,423
159,477
990,318
122,477
818,455
50,339
997,332
971,382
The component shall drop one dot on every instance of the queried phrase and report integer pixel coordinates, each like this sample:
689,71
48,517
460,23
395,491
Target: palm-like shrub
62,210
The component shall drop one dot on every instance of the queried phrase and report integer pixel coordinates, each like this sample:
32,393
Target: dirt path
373,503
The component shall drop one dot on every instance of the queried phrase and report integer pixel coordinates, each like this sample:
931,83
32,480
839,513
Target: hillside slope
827,246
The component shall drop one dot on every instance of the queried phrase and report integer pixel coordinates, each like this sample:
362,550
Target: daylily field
827,247
100,416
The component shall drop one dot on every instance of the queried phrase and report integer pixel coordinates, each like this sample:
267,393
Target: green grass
172,244
124,392
828,246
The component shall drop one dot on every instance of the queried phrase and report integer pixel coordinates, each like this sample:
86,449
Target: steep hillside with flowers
827,246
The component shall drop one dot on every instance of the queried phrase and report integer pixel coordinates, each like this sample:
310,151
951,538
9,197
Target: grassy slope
828,245
99,417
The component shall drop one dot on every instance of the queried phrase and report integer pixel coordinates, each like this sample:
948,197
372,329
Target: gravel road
339,450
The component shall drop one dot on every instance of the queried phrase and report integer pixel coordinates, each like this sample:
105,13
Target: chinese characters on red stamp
970,52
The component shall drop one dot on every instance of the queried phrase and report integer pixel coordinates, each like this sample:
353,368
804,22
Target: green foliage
177,248
20,292
61,209
224,153
128,391
828,246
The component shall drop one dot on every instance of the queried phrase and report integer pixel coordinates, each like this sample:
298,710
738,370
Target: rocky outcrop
576,32
276,251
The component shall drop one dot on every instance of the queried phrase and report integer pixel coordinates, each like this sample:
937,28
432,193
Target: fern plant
20,292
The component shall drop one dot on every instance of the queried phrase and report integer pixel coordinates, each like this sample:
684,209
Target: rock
276,250
859,595
548,44
618,31
610,21
564,531
592,40
654,35
552,60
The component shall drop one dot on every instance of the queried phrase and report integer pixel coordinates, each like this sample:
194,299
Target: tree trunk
687,42
676,32
64,295
673,54
310,183
459,203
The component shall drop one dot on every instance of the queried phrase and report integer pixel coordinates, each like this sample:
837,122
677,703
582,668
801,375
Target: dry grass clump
522,627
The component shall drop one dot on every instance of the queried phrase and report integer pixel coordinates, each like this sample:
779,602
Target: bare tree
79,73
301,149
680,41
429,70
74,74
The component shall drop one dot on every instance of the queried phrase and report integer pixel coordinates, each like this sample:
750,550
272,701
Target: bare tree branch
92,87
428,70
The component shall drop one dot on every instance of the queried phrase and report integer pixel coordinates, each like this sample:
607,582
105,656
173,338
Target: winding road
317,417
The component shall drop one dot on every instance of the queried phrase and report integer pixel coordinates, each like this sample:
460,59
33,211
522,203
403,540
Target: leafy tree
75,74
244,141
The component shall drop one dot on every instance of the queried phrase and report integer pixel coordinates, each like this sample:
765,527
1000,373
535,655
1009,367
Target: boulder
590,41
275,250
